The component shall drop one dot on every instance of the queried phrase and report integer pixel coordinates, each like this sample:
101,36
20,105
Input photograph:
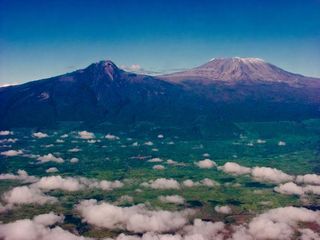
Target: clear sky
43,38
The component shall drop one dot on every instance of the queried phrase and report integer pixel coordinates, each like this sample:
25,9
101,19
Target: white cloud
74,149
266,174
132,68
308,179
111,137
50,158
280,223
86,135
209,182
155,160
135,219
75,184
39,135
5,133
158,167
206,163
223,209
289,188
234,168
22,176
37,229
57,182
261,141
281,143
172,199
204,182
27,195
202,230
9,140
74,160
162,183
11,153
52,170
148,143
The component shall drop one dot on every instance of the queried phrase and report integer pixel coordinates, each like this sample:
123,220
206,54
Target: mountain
251,89
220,91
238,69
100,92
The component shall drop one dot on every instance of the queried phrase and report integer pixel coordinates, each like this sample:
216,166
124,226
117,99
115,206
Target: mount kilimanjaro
222,90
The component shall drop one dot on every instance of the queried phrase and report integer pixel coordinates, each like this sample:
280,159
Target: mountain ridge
237,69
103,92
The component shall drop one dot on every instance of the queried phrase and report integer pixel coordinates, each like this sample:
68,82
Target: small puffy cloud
21,175
148,143
135,219
154,160
188,183
261,141
162,183
266,174
64,136
37,228
174,163
289,188
27,195
281,143
74,160
58,182
308,179
171,162
204,182
132,68
59,141
8,140
206,163
234,169
74,149
86,135
202,230
5,133
72,184
160,136
11,153
103,184
50,158
111,137
52,170
280,223
209,182
223,209
39,135
176,199
158,167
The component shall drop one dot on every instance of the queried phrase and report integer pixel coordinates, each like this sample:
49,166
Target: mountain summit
236,69
224,90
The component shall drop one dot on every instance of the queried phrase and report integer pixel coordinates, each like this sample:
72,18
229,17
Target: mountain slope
238,69
219,91
101,91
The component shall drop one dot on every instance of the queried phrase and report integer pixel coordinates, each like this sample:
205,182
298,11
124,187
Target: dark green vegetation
121,160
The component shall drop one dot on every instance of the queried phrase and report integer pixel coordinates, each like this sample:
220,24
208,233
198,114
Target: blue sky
40,39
